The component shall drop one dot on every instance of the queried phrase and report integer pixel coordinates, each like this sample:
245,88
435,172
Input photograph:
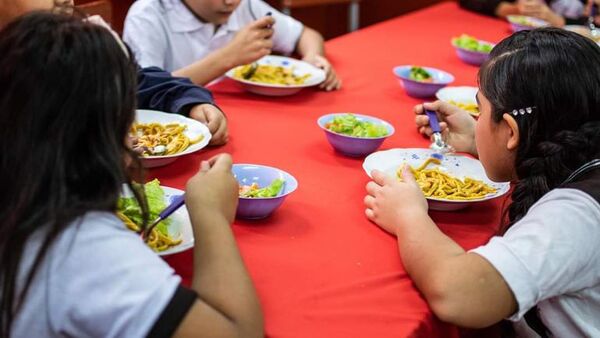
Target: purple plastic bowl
471,57
517,27
258,208
350,145
422,89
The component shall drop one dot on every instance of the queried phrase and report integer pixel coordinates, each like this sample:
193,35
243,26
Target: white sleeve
286,31
107,283
552,251
146,35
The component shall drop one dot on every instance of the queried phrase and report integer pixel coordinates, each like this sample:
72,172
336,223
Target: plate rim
504,186
321,73
183,119
170,191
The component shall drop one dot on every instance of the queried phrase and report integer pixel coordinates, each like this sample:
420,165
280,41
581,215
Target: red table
320,267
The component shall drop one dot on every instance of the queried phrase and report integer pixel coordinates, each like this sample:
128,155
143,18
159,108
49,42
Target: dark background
329,19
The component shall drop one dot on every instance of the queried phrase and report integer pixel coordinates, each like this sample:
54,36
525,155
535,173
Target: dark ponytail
67,100
558,73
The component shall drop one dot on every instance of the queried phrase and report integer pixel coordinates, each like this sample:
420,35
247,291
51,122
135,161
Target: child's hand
458,127
251,42
391,203
539,9
213,191
214,119
332,82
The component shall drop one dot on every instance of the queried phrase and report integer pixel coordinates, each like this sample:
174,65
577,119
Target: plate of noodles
277,76
170,236
463,97
161,138
450,184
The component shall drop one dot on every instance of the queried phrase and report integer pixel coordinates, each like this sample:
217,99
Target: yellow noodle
271,75
471,108
171,136
437,184
156,240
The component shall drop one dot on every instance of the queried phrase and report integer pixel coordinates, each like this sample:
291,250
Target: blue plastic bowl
533,23
472,57
258,208
422,89
351,145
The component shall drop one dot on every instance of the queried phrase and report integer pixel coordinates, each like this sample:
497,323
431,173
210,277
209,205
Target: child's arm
249,44
540,10
461,288
227,305
312,50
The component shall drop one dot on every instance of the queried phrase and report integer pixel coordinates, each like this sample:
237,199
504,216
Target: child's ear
513,129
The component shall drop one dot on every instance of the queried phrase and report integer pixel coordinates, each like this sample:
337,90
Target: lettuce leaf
271,190
156,203
350,125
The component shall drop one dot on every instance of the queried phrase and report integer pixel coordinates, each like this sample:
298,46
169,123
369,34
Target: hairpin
523,111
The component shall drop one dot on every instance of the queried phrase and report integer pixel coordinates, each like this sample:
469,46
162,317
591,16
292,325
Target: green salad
156,203
470,43
255,191
420,74
350,125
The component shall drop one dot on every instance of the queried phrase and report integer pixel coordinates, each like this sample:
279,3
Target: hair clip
523,111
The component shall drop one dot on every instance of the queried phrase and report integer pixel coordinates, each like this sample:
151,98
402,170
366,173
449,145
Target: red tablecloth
320,267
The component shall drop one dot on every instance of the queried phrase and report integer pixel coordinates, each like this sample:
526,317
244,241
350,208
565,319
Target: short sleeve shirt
165,34
98,279
551,258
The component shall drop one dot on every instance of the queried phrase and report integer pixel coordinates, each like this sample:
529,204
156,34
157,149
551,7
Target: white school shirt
165,34
551,258
97,280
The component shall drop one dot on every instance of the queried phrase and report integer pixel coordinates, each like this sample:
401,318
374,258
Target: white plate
180,227
464,95
194,130
388,161
317,76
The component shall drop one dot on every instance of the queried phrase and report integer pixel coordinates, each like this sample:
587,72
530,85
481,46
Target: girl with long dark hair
68,266
539,97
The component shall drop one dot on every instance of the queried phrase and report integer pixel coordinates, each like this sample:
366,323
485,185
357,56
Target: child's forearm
310,43
458,286
220,277
211,67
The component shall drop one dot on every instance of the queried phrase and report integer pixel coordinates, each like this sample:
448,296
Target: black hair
558,73
67,100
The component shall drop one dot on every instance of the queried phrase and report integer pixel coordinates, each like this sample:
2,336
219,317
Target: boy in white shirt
203,39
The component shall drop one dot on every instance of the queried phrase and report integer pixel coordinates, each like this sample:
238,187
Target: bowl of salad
353,134
262,189
522,22
471,50
422,82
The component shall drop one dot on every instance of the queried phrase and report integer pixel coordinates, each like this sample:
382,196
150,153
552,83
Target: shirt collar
182,20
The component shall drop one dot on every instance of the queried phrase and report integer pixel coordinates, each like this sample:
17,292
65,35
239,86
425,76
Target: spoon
176,203
254,65
439,146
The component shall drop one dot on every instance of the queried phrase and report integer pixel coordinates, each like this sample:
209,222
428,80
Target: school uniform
166,34
551,261
159,90
98,279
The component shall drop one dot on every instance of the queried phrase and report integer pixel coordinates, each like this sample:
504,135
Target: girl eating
539,97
